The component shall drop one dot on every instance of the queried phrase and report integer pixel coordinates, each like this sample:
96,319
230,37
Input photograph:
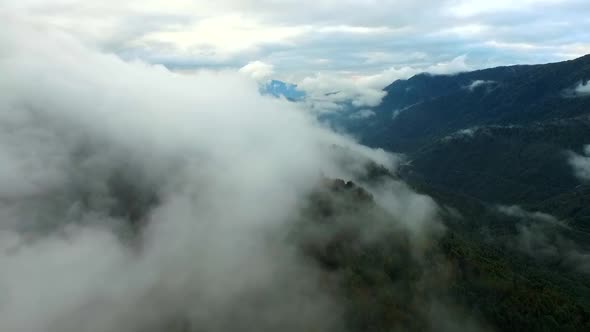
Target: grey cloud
135,198
362,114
581,164
331,12
544,237
558,31
478,83
544,243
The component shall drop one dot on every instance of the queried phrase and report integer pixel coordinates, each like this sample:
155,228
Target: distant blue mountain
282,89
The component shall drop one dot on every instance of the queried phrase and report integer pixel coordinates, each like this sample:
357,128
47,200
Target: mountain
282,89
501,135
493,147
425,107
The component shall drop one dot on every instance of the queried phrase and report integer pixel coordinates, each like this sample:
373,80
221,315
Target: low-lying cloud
543,237
518,212
581,164
258,70
332,92
478,83
583,89
134,198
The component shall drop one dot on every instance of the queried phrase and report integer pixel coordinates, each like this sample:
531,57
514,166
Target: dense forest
494,148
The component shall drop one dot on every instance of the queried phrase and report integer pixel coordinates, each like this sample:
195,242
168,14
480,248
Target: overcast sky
317,42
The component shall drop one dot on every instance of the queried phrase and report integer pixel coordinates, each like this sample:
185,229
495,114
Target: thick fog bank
133,198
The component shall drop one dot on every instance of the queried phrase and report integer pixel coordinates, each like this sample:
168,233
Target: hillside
425,108
493,147
501,135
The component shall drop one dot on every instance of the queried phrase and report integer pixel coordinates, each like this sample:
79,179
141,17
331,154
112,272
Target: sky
355,46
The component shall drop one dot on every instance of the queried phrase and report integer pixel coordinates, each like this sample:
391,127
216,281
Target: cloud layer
138,199
543,237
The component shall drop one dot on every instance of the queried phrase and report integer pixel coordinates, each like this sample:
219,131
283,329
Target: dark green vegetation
502,141
451,282
428,108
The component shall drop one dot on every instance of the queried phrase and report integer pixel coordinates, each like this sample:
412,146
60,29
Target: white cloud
477,83
386,58
464,31
354,29
539,235
362,114
583,89
519,212
457,65
547,244
91,144
328,92
397,112
581,164
223,35
468,8
573,50
258,70
232,32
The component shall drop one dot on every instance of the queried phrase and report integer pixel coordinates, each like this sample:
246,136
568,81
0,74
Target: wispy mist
134,198
543,237
581,164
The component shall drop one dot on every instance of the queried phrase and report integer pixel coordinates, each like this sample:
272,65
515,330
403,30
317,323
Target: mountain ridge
441,104
516,124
